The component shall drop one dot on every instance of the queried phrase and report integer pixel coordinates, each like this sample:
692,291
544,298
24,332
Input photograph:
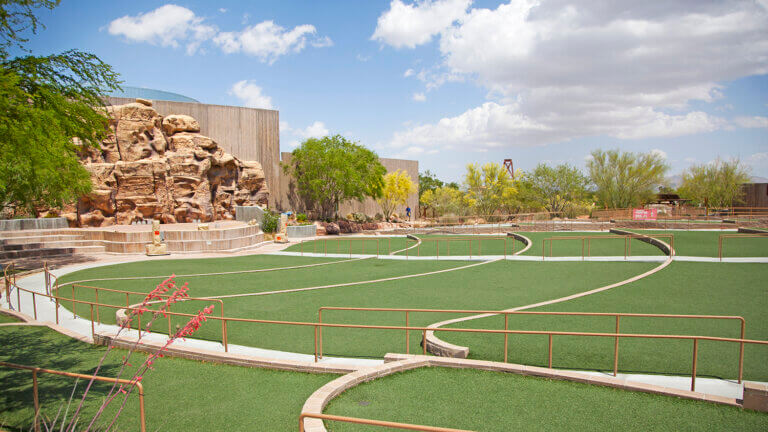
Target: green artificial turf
180,395
681,288
352,244
493,286
598,247
494,401
705,243
464,245
8,319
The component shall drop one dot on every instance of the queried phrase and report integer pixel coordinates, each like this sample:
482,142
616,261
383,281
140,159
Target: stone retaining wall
301,231
32,224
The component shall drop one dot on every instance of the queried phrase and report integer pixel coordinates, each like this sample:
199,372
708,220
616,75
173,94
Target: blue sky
448,82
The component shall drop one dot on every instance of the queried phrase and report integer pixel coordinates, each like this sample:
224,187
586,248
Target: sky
451,82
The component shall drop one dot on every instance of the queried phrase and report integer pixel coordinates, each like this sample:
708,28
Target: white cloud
168,25
268,41
661,153
409,25
315,130
222,10
172,25
419,97
556,71
362,58
752,122
251,95
408,72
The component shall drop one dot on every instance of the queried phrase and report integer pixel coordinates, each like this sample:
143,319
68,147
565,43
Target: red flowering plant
156,296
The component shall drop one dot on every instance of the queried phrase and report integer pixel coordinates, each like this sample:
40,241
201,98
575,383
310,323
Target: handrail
448,241
36,370
727,236
627,242
349,246
319,325
506,314
369,422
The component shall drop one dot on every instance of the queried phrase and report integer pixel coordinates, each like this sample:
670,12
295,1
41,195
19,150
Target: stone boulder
164,169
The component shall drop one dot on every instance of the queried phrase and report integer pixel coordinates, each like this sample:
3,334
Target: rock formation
164,169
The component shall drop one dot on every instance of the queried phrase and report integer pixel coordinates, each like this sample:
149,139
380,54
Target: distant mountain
675,180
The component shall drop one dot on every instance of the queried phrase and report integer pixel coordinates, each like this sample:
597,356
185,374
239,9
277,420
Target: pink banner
644,214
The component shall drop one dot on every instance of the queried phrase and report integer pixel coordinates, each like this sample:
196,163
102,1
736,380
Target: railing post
36,400
74,315
34,305
424,341
315,344
543,241
550,351
57,308
98,316
693,372
407,336
93,325
506,335
169,324
142,417
320,320
741,352
226,338
616,349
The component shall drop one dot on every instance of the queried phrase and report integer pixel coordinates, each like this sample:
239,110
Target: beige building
254,134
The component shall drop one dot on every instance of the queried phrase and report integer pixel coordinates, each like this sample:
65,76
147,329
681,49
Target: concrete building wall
755,195
289,199
246,133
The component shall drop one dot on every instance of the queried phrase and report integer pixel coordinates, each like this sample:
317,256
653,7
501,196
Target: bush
358,217
301,217
378,217
270,221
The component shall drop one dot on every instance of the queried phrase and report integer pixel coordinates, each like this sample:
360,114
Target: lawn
681,288
4,319
491,286
494,401
593,247
180,394
705,243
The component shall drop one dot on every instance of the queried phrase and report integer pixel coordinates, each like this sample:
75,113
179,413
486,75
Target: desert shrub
378,217
357,217
270,221
301,217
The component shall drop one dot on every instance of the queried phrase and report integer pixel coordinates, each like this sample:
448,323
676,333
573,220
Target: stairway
15,245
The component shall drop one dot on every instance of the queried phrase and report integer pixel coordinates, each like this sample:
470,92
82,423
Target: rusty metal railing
318,325
727,236
369,422
338,241
447,241
36,370
506,314
627,242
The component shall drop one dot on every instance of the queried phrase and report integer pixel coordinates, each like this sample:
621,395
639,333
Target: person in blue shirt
408,213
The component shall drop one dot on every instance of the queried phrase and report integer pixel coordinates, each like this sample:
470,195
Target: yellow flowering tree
397,187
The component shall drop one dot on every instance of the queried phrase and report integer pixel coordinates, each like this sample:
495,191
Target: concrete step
50,245
40,239
48,252
4,235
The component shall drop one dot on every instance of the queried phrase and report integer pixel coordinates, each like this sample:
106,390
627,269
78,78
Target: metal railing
627,242
319,325
727,236
382,423
616,315
447,241
349,241
36,370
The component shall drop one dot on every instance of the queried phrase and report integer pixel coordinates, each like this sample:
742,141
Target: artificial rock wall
162,168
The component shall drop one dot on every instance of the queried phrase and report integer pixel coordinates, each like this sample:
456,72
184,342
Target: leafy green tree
428,182
488,187
625,179
717,184
556,189
51,108
446,200
331,170
398,186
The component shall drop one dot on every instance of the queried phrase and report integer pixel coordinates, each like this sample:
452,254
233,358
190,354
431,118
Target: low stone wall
248,213
33,224
650,240
301,231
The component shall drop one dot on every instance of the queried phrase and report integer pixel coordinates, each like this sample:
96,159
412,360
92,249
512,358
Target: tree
555,189
625,179
397,187
51,108
446,200
428,182
716,184
331,170
487,187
